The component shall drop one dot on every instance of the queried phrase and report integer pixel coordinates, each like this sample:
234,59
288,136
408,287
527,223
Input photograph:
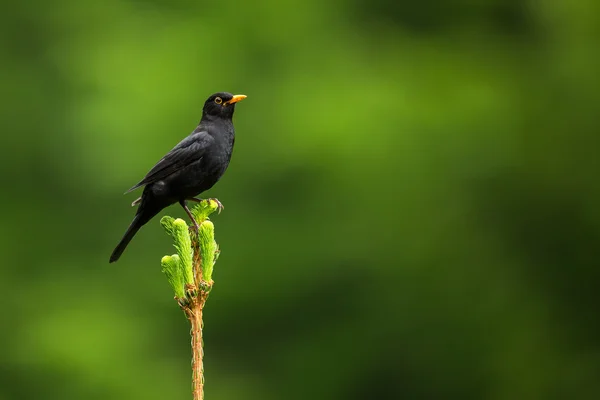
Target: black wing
188,151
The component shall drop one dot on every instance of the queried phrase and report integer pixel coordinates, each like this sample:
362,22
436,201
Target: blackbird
190,168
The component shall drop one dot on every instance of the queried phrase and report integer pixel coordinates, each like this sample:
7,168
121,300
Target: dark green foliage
412,208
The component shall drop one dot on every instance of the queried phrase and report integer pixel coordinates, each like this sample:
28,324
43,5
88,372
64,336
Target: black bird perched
190,168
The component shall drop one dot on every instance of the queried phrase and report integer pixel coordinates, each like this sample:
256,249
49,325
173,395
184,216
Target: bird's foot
220,206
136,202
194,226
189,213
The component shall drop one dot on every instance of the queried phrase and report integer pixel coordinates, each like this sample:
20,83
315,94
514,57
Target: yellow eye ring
218,100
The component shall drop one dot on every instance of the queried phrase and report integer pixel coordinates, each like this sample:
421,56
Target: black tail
147,209
135,226
143,215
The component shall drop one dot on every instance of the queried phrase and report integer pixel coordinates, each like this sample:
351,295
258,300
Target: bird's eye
218,100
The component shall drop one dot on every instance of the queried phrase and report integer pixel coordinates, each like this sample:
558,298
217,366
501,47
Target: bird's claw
220,206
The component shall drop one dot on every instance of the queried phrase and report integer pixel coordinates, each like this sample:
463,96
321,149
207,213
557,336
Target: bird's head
221,105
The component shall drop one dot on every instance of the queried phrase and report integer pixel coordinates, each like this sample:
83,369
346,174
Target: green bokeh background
412,209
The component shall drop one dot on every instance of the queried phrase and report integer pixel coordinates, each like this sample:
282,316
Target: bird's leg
136,202
220,206
189,213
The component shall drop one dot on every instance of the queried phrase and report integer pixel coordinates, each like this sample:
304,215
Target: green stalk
189,273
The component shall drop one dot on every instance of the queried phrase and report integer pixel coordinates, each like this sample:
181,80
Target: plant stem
197,295
193,312
190,282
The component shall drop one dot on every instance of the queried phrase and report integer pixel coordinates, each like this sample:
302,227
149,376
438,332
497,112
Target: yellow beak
236,98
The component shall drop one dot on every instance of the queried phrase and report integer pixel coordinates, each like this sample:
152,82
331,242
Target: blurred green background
412,209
